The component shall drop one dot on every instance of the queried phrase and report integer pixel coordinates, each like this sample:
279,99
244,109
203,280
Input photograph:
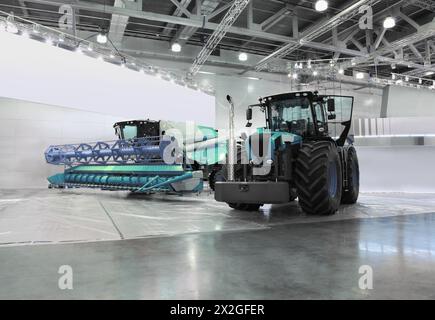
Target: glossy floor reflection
318,260
195,248
52,216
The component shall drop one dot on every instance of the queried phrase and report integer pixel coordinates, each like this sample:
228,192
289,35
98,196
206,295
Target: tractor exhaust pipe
231,143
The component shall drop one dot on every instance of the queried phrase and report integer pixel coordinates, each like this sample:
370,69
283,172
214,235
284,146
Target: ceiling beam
185,33
182,8
315,31
227,21
275,18
177,13
219,11
424,4
118,23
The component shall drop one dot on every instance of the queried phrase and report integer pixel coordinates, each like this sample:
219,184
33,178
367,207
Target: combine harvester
138,160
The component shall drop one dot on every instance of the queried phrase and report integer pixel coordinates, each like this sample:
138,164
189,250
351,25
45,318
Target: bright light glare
101,38
243,56
321,5
389,22
176,47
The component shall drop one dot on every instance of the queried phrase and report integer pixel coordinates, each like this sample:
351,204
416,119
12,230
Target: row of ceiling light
313,67
323,68
176,47
31,30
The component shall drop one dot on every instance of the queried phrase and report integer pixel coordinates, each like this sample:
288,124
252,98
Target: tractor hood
262,145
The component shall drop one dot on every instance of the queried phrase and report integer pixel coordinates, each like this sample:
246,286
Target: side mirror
332,117
331,105
249,114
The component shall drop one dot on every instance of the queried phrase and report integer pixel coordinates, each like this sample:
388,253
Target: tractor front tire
351,192
318,177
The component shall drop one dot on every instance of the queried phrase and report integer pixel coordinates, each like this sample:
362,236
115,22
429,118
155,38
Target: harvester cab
301,153
126,130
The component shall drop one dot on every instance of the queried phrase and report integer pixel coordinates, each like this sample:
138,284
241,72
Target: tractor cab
306,114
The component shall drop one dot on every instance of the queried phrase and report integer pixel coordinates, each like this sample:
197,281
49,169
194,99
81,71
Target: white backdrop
28,128
35,71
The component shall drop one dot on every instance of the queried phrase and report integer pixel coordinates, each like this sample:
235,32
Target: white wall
28,128
35,71
246,92
397,169
410,102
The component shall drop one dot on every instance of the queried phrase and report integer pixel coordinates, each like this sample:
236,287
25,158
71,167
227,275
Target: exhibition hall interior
217,149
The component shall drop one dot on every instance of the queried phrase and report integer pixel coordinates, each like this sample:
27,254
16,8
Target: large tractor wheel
318,178
351,192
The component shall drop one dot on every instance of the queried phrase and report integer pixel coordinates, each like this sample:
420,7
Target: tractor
304,152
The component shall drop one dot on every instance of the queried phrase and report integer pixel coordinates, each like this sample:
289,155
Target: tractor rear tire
245,206
351,193
318,177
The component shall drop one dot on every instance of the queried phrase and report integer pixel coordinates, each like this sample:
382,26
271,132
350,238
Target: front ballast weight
137,165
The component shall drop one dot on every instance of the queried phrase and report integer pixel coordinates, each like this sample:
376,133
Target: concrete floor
157,247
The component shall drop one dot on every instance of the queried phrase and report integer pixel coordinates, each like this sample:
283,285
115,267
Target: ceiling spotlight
295,76
407,78
400,81
176,47
393,66
360,75
243,56
341,71
389,22
393,76
429,73
10,25
102,37
315,73
420,81
321,5
353,62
